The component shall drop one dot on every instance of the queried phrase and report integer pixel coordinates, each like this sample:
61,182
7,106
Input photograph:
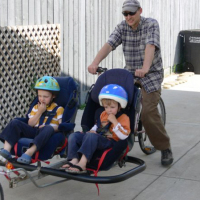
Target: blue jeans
87,144
17,129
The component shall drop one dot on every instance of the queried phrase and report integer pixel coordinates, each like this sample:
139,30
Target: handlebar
101,69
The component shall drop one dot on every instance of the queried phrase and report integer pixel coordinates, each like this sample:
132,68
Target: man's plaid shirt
134,43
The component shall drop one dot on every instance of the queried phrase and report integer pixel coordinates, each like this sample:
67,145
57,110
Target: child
103,135
47,88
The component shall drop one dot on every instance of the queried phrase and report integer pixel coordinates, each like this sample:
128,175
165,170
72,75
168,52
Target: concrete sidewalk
180,181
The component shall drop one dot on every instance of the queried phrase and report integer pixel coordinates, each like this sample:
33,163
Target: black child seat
68,99
100,160
104,160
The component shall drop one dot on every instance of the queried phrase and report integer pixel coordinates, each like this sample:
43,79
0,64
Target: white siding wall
86,25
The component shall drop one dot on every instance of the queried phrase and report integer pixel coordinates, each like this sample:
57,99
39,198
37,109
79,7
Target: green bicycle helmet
47,83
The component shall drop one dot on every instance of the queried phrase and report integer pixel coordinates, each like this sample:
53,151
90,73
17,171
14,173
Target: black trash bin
189,52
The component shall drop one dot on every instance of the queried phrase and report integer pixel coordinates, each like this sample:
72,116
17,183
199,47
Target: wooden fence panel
71,40
61,12
25,13
18,12
31,11
82,48
50,11
76,41
44,7
117,55
56,12
37,13
11,15
87,24
65,42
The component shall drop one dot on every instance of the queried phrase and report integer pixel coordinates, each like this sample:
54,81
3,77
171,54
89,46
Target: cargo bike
19,174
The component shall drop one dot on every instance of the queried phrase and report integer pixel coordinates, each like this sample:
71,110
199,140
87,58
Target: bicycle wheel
1,193
144,142
161,110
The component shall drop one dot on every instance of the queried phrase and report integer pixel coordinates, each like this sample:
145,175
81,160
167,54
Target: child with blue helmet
111,127
39,128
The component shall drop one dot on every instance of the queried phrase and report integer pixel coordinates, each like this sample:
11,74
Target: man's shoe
166,157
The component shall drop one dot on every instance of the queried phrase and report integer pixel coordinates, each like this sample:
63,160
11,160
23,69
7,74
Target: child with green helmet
39,128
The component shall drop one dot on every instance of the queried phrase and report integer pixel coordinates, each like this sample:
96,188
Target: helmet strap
119,107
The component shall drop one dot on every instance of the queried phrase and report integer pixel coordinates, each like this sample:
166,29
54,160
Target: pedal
147,148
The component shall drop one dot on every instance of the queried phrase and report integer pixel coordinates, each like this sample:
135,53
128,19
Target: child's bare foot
79,167
70,163
76,169
67,165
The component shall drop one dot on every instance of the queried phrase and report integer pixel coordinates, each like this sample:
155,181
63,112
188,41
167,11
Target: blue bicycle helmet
47,83
114,92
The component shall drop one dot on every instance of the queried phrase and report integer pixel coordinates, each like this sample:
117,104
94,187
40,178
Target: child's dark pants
17,129
87,144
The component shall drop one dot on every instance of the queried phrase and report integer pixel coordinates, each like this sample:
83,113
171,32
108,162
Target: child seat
68,99
93,110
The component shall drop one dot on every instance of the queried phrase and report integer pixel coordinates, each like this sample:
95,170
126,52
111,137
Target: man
140,39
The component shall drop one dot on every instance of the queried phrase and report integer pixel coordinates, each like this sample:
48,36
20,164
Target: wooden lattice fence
26,53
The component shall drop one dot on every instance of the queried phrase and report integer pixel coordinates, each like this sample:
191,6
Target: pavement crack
185,179
162,174
184,123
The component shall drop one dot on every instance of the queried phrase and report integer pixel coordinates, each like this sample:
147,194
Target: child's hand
109,136
55,128
112,119
41,107
91,131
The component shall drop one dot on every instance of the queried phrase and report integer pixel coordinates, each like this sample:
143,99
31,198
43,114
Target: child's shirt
55,119
121,131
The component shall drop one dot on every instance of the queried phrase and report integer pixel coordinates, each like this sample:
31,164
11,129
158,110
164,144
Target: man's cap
130,5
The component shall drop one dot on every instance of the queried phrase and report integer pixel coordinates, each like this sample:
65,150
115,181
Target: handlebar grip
101,69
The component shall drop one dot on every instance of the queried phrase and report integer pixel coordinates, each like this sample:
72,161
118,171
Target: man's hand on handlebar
140,72
92,68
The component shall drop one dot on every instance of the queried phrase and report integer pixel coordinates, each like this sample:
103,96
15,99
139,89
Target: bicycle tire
143,138
1,192
162,110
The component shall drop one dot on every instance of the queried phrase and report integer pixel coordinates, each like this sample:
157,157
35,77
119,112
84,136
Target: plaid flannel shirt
134,43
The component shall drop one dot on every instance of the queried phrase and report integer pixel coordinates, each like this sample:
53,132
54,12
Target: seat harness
49,114
102,130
